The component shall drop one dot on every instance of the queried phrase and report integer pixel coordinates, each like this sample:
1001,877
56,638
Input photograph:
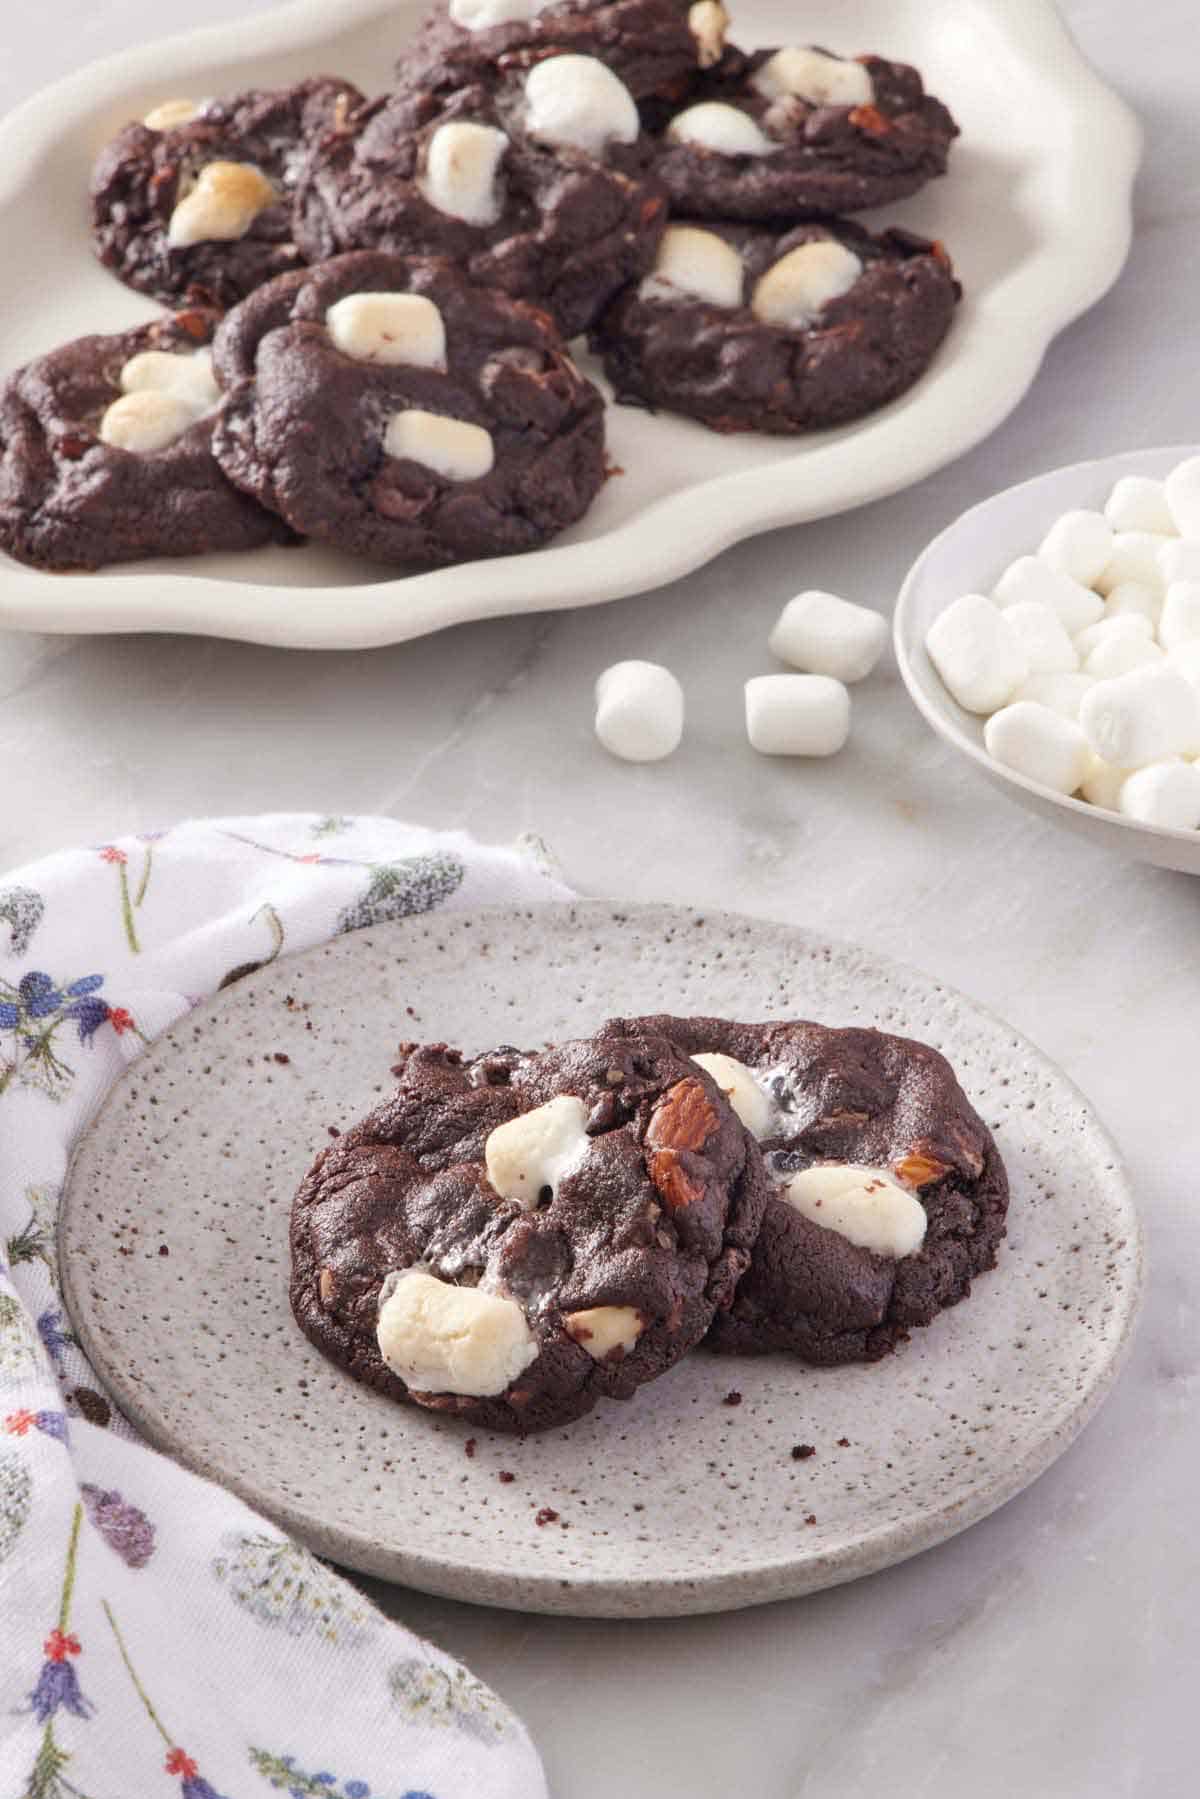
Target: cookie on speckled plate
535,182
655,46
751,329
194,202
106,453
385,405
889,1195
797,133
511,1238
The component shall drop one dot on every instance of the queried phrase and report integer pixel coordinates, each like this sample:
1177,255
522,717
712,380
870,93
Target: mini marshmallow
1139,504
1142,717
1132,624
451,448
824,635
815,76
697,262
796,289
222,206
708,22
1039,744
1166,793
169,114
639,711
1102,783
1078,544
797,715
726,130
1180,621
481,15
146,421
1044,638
868,1206
1131,599
1179,560
186,375
978,655
460,171
537,1149
1134,558
575,101
741,1088
1182,487
444,1339
603,1330
1061,693
1186,658
390,329
1030,578
1117,654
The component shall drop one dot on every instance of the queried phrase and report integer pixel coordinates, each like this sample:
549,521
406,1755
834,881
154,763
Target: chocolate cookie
747,329
653,45
194,203
873,1134
534,182
797,133
509,1239
106,453
385,405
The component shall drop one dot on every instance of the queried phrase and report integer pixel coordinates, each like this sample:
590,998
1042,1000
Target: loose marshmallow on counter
1133,599
1102,783
444,1339
1061,693
1029,578
389,328
977,653
1134,558
1142,717
724,129
1183,496
537,1149
696,262
1078,544
1166,793
639,711
797,715
1179,560
577,102
461,166
450,447
1043,637
824,635
868,1206
796,289
1039,744
815,76
1180,621
1139,504
744,1092
1119,652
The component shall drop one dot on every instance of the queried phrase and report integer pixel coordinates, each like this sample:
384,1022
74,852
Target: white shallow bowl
969,557
1037,220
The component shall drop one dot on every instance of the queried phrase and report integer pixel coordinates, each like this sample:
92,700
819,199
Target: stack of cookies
509,1238
370,298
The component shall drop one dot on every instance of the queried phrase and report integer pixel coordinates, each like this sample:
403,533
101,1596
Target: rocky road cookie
655,46
797,133
194,203
106,453
749,329
889,1192
511,1238
534,182
385,405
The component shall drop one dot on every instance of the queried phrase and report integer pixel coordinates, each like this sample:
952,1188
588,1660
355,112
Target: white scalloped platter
174,1250
1037,220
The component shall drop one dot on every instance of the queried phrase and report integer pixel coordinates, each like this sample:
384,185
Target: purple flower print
192,1785
50,1330
57,1689
126,1529
51,1424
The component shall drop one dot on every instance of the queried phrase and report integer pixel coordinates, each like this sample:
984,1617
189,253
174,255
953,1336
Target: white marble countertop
1051,1650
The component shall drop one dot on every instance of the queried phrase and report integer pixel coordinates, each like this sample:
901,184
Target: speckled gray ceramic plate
174,1253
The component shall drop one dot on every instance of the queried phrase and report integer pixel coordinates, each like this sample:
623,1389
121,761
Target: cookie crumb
163,1250
506,1475
802,1451
281,1058
733,1398
811,1519
92,1405
333,1130
470,1446
843,1442
547,1515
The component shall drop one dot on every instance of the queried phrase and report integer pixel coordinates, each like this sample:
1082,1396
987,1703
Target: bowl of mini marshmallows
1052,634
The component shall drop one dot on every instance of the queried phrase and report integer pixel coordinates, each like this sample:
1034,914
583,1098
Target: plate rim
608,1596
921,432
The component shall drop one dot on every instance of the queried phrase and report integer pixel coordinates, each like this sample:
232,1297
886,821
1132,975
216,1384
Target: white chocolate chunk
825,635
1180,621
696,262
1039,744
742,1089
602,1330
708,22
1031,578
146,421
444,1339
578,102
639,711
537,1149
1134,558
978,655
450,447
1166,793
1138,504
170,113
481,15
1182,488
226,200
186,375
866,1205
796,288
389,329
1078,544
815,76
1061,693
797,715
1142,717
460,171
726,130
1044,637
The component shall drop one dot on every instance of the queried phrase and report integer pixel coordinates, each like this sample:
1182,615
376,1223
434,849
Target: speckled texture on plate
678,1502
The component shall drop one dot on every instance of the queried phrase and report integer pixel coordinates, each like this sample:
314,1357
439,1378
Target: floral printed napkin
156,1636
